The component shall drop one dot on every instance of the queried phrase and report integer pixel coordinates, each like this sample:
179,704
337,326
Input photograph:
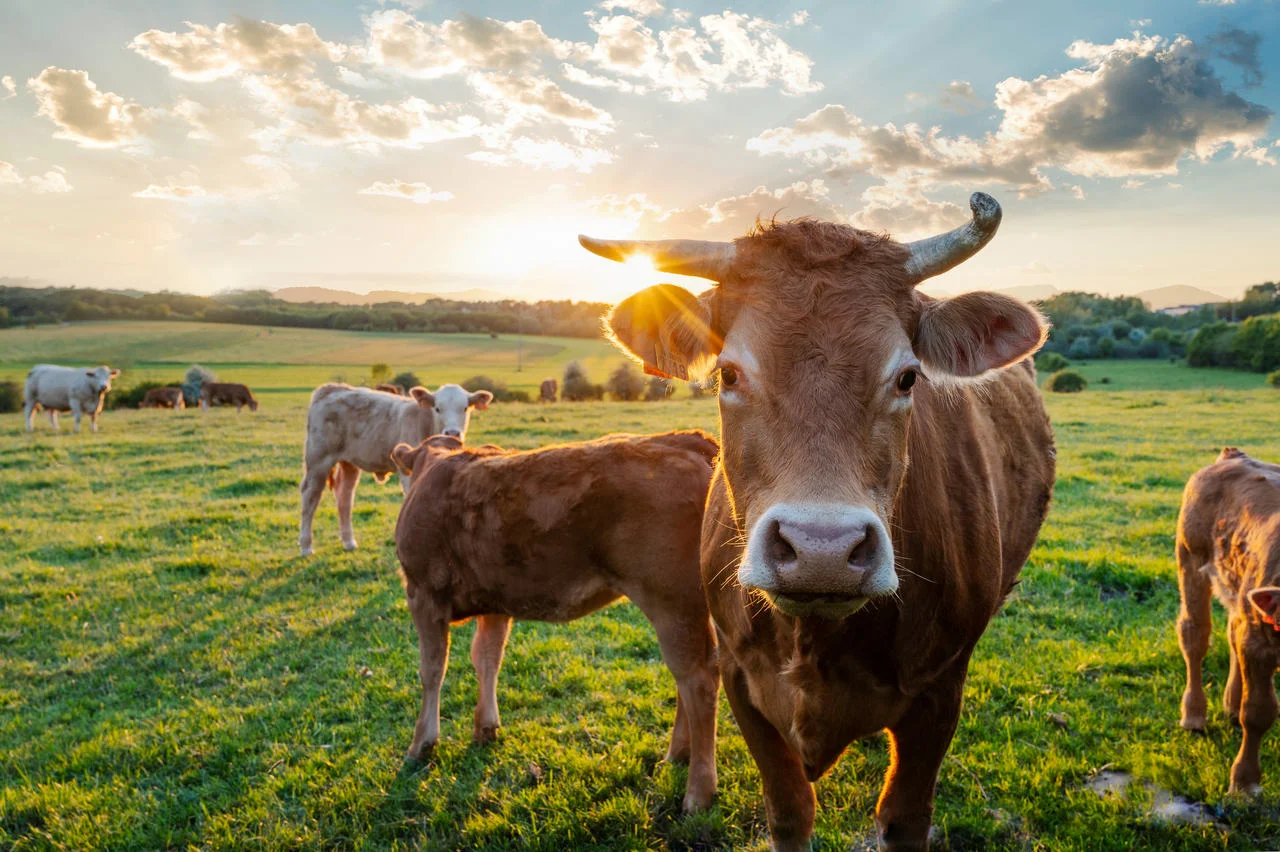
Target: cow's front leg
75,412
1195,624
29,409
432,623
53,420
93,420
486,655
788,796
1231,695
346,477
1258,708
917,743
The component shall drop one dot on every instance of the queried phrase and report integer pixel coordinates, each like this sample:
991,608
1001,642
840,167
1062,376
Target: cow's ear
403,457
115,373
1266,600
480,400
422,396
668,329
976,332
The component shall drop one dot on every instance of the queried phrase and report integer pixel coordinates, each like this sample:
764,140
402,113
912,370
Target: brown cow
551,535
163,398
863,582
547,390
395,389
226,393
1229,543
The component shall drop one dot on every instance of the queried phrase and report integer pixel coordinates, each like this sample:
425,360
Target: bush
499,389
1051,362
1273,379
626,384
1081,347
1213,345
194,381
1066,381
1257,343
1106,347
406,380
10,397
658,389
575,386
129,397
379,373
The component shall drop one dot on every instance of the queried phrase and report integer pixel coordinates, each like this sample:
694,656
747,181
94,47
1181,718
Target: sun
641,263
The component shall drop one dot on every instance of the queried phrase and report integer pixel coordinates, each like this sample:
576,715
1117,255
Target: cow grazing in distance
163,398
79,390
886,465
351,429
551,535
226,393
385,388
1229,545
547,390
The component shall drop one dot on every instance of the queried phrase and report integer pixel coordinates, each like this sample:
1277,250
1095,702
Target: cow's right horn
699,258
935,255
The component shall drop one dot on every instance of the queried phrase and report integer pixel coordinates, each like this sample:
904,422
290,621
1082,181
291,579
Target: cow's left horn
935,255
700,258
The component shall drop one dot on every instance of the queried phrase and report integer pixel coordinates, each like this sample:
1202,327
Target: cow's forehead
451,396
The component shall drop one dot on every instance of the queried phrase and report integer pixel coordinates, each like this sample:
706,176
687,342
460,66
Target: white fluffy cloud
8,174
85,115
723,219
417,192
172,192
52,181
401,42
207,53
643,8
9,86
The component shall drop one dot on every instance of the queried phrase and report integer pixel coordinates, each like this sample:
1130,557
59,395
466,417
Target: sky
435,146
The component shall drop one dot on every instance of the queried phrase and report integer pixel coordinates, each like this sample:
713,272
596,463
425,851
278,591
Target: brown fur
395,389
226,393
961,476
552,535
547,390
1229,544
163,398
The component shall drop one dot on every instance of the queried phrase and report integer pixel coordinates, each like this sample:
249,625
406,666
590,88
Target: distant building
1179,310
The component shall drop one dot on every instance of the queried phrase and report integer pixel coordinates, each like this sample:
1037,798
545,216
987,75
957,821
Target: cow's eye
729,377
906,380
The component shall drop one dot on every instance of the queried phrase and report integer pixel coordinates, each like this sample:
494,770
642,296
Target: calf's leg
678,751
486,655
313,485
789,802
917,744
1195,621
432,624
1231,695
345,479
1257,708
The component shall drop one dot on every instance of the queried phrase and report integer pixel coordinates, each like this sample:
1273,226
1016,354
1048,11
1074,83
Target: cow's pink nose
799,549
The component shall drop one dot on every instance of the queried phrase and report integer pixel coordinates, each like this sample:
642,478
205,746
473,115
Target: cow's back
358,425
54,387
1235,490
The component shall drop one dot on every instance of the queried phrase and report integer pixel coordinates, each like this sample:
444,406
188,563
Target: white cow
76,389
350,430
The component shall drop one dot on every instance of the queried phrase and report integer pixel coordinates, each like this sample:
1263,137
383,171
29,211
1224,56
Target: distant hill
1178,294
299,295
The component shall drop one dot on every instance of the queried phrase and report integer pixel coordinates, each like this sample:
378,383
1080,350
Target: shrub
10,397
1257,343
194,381
658,389
1081,347
1106,347
575,386
1051,362
499,389
1273,379
1066,381
626,384
406,380
1213,345
129,397
379,373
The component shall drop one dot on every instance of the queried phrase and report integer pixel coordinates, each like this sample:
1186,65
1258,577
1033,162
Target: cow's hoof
1250,789
306,551
420,753
349,546
484,734
1193,723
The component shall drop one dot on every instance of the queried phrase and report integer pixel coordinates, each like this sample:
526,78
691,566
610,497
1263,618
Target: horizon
437,149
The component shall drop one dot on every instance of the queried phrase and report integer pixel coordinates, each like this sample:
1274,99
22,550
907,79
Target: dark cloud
1240,48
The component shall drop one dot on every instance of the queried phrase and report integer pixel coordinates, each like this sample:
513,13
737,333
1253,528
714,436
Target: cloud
203,53
724,219
643,8
85,115
1132,109
52,181
521,99
172,192
1240,48
418,193
958,96
401,42
9,86
8,174
901,208
543,154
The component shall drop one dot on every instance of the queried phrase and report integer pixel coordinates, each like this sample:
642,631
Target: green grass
172,675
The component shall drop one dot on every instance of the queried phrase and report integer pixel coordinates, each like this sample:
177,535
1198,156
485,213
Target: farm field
174,675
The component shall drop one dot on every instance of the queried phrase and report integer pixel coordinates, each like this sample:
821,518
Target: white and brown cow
552,535
352,429
1229,544
887,464
79,390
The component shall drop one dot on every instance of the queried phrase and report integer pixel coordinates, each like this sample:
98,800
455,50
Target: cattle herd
884,466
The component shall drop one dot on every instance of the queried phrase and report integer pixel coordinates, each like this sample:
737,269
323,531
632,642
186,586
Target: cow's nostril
781,553
864,551
452,433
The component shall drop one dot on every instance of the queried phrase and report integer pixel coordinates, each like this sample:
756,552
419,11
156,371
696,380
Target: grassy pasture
173,675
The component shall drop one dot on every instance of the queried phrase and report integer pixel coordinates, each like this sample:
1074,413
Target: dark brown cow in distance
887,464
226,393
1229,544
552,535
547,390
168,397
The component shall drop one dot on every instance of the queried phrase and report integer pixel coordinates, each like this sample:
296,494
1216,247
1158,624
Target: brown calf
1229,544
552,535
226,393
163,398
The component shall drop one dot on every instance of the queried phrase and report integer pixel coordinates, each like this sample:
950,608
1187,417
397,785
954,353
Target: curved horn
935,255
700,258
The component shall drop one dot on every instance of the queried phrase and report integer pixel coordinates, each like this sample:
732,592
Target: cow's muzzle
824,560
